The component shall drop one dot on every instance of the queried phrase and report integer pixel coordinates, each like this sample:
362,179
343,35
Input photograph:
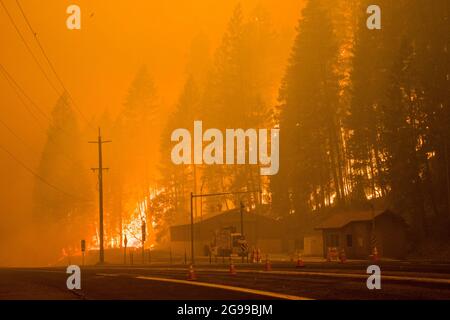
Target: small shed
357,232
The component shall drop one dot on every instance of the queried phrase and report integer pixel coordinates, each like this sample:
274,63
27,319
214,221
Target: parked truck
227,243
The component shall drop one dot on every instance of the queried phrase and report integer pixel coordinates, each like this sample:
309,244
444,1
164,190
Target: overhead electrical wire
19,90
13,133
26,144
6,75
9,129
52,67
29,48
15,85
21,93
39,177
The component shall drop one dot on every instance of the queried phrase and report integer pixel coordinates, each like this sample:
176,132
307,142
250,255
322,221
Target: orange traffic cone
342,256
300,263
267,266
232,269
191,275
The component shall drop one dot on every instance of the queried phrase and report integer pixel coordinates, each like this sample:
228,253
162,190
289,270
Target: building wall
331,239
356,238
391,236
313,245
180,247
270,245
260,232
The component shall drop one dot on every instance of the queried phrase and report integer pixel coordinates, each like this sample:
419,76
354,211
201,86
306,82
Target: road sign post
144,236
242,218
242,224
125,242
83,250
192,230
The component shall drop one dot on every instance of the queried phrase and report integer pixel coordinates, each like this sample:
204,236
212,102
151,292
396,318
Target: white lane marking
361,276
216,286
226,287
324,274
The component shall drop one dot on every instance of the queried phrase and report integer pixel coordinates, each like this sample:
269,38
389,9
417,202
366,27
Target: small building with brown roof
359,231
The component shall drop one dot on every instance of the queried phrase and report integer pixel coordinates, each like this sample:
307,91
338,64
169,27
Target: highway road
214,282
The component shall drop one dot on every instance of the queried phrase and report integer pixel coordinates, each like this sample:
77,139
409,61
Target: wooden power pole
100,169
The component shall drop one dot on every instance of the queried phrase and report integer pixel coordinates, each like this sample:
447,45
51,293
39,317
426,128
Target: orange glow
98,65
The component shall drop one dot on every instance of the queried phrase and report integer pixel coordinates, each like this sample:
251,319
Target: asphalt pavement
323,281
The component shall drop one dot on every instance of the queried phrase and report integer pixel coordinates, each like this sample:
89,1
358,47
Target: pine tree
398,117
179,180
401,137
374,53
417,113
135,152
309,177
237,96
63,214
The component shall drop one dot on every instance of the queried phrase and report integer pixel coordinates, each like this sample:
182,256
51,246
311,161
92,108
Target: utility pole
192,230
242,219
241,209
100,169
144,236
447,175
125,242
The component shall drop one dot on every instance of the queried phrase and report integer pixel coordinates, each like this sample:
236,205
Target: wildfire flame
131,229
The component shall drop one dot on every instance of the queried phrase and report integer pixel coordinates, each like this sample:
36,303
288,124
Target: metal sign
244,247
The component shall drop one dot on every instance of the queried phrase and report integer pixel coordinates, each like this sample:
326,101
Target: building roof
267,227
229,215
341,219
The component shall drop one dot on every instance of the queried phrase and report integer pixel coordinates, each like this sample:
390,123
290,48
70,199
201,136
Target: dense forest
364,114
364,120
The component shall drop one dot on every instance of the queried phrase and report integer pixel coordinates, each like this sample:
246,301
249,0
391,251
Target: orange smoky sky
97,65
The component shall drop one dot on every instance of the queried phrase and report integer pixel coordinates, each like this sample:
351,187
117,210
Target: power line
15,85
50,62
43,180
18,87
12,132
28,47
18,90
23,165
26,144
6,75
